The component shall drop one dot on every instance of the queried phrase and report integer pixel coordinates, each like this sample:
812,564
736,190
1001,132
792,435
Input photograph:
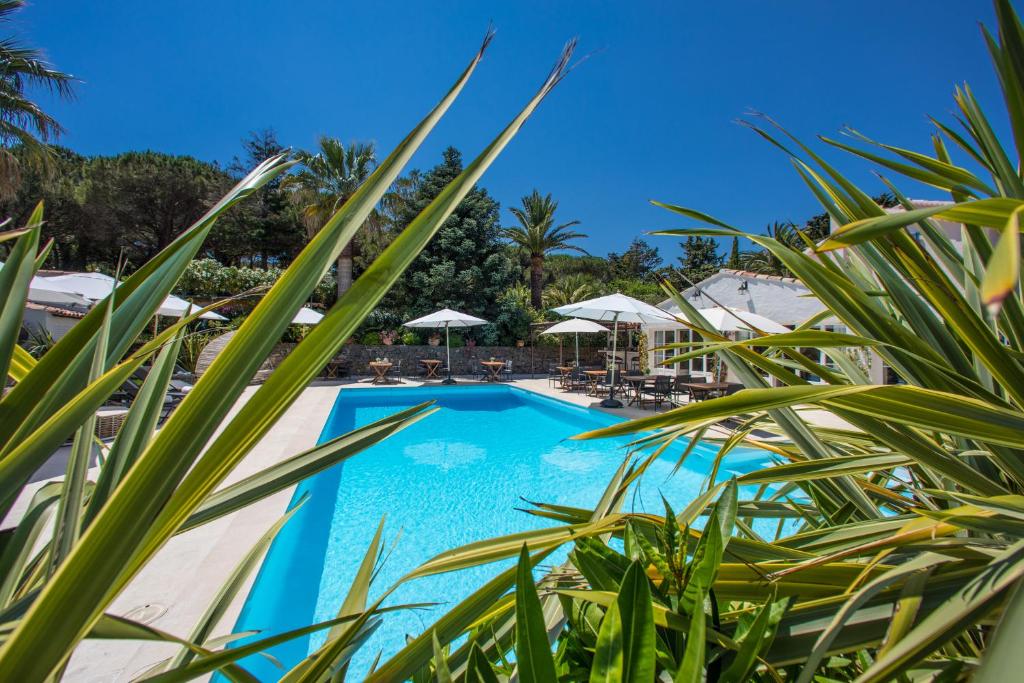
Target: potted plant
471,343
520,343
388,338
435,339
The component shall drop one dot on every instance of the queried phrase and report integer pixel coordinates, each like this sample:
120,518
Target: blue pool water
453,478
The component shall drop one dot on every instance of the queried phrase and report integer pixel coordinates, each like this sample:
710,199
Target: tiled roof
759,276
55,310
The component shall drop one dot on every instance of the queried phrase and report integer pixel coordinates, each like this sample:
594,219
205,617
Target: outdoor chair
554,376
679,388
130,389
178,385
506,372
396,369
577,380
612,378
660,391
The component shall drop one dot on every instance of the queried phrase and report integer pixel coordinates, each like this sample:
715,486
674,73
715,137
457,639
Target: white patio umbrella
729,319
307,316
576,325
446,318
615,307
44,291
96,286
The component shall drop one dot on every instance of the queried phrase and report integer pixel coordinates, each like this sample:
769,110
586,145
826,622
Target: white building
785,300
54,320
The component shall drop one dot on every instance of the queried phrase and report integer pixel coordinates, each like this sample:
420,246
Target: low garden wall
465,360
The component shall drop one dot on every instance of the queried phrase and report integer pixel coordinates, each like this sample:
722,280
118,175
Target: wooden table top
429,361
596,372
380,364
492,362
706,385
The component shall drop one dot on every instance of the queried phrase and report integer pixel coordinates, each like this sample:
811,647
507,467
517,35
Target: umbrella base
449,381
611,403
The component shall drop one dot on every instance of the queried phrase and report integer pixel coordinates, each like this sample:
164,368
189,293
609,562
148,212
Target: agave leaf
15,277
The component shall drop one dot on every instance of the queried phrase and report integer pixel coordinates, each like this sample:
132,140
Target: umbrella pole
448,350
611,401
577,349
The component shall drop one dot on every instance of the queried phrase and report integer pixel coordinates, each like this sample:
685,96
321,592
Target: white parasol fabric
44,291
729,319
96,286
575,325
616,307
447,318
307,316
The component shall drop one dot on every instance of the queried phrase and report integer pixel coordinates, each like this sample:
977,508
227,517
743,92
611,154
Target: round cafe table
431,365
380,372
493,369
593,377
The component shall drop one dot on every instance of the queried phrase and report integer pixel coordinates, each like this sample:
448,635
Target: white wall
57,326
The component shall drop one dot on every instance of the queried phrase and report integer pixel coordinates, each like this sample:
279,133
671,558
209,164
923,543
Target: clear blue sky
650,116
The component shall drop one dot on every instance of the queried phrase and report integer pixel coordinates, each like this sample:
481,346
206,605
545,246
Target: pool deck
174,589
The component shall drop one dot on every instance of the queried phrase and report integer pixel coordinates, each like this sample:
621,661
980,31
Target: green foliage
699,261
465,267
208,279
512,319
410,338
25,124
266,230
537,235
370,339
570,288
640,262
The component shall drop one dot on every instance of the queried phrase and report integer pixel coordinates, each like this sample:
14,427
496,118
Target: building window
698,364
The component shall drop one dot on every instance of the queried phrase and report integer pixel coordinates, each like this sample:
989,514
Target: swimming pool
455,477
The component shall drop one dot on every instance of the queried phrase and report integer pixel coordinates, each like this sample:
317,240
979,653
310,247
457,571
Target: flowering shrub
208,279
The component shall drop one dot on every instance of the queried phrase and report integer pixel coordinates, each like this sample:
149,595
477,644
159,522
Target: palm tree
570,289
764,261
329,177
22,122
538,235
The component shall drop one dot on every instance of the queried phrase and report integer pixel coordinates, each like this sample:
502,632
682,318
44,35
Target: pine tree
465,266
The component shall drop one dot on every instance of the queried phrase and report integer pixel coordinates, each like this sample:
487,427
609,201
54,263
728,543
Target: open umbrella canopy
96,286
575,325
729,319
307,316
446,317
44,291
616,307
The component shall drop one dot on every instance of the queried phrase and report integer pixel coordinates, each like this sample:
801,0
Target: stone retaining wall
465,360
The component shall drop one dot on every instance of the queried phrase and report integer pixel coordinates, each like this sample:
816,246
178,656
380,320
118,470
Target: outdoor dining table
493,369
565,370
431,365
593,377
380,372
705,388
637,382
